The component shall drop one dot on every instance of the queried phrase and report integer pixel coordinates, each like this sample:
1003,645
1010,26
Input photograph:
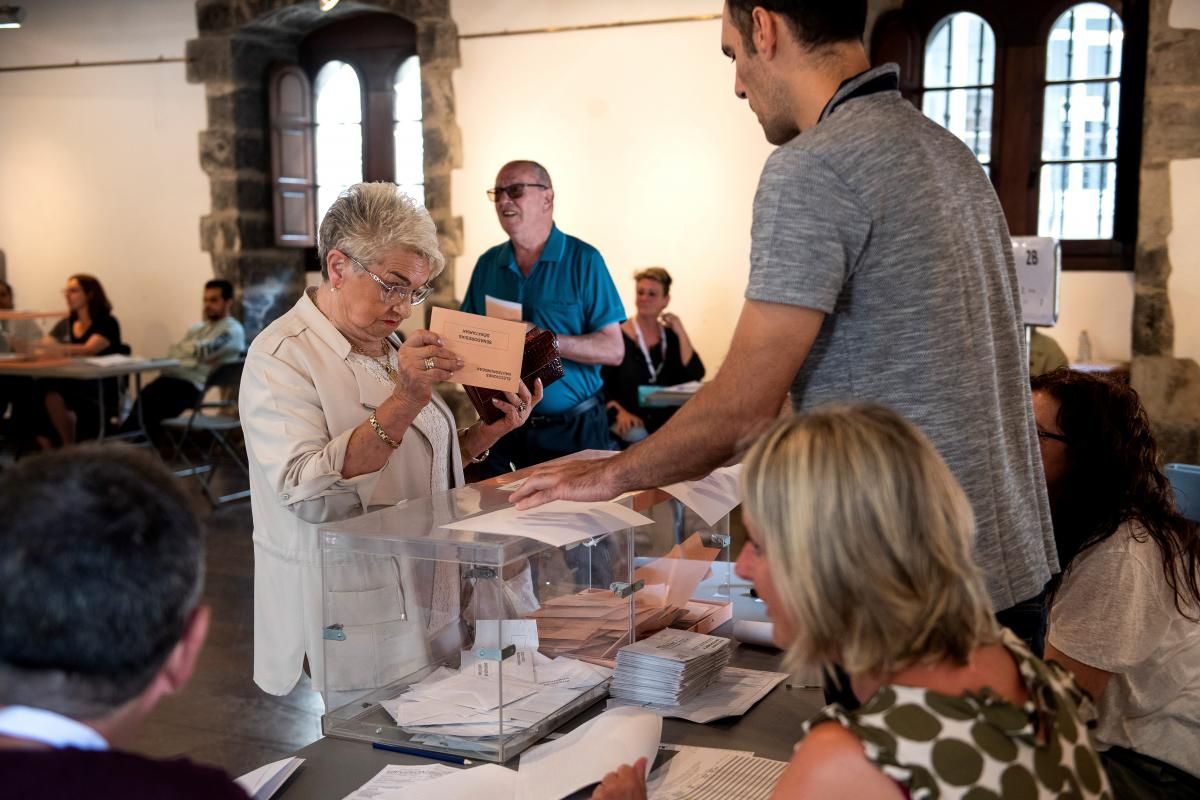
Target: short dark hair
93,290
225,286
814,23
101,566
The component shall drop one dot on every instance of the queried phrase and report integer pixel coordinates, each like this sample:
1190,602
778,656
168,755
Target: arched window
1080,124
338,139
960,70
1039,90
410,143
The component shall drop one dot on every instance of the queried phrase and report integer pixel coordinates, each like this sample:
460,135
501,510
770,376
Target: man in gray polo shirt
881,270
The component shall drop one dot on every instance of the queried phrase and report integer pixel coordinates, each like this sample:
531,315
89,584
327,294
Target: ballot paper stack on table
593,624
669,668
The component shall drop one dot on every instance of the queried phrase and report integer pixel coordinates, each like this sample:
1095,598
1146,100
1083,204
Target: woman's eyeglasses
513,190
1058,437
395,294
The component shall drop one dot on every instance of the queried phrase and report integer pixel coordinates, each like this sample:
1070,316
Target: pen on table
412,751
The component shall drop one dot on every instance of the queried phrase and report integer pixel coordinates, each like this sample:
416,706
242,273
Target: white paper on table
558,523
265,781
755,632
732,694
112,360
394,777
588,753
715,775
465,689
502,309
487,780
711,497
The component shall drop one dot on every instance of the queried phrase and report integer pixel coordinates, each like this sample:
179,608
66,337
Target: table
81,369
334,768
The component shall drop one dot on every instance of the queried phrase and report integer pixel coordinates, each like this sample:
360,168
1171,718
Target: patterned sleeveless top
978,746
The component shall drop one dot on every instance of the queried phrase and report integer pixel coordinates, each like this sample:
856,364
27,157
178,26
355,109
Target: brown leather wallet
541,360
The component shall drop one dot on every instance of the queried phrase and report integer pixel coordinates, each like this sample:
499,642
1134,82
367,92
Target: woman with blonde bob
860,546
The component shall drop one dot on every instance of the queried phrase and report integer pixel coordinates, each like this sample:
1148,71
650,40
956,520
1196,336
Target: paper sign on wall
490,348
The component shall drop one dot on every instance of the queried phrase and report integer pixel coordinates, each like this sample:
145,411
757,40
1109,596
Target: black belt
538,420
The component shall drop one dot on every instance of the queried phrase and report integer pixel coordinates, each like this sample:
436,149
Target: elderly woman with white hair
339,416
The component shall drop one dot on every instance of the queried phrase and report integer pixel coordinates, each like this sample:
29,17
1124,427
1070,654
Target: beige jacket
301,398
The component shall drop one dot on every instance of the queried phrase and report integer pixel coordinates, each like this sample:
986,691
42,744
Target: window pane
1085,43
967,113
338,135
408,132
1076,200
408,89
1081,120
961,52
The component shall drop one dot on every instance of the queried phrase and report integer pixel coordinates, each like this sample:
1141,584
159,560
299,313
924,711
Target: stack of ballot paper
669,668
593,624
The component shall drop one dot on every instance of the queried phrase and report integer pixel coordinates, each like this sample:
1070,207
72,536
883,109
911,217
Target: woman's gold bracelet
479,459
381,433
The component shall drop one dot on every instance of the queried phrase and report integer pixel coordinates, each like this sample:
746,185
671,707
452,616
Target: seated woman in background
860,546
1124,617
89,329
658,352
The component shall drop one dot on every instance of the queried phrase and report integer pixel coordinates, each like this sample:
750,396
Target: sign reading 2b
1039,262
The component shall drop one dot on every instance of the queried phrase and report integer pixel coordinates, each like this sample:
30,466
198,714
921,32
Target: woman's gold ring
430,363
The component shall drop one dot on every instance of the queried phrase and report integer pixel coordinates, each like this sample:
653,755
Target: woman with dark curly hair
1125,614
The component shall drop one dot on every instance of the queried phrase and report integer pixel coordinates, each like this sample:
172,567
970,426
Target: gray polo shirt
885,221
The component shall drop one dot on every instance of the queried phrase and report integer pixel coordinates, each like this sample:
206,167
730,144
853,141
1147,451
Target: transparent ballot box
443,634
25,335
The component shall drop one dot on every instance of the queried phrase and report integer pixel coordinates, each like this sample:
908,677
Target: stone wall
1169,387
238,42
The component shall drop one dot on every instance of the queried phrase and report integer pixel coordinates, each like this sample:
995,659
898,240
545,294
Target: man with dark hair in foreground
101,572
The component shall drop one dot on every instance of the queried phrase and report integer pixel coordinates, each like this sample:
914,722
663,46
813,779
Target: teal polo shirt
568,291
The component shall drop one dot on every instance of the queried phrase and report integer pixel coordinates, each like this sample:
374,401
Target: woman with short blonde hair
860,547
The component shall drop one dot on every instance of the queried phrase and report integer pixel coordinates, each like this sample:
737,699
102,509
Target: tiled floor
221,717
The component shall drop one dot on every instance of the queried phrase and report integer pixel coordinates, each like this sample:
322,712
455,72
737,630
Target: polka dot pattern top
978,746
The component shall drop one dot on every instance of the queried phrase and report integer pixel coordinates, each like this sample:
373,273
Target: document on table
558,523
265,781
585,755
487,780
112,360
705,774
711,497
491,349
733,693
394,777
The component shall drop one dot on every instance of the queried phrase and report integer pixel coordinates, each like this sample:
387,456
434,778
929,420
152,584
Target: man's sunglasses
513,190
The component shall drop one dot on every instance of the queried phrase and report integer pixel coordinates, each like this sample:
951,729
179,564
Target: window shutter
895,39
292,171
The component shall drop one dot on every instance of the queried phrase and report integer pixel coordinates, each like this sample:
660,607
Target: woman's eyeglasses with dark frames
1058,437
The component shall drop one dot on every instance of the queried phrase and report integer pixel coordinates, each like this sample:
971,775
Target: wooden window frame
1022,33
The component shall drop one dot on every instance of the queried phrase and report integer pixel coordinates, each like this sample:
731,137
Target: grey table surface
334,768
80,369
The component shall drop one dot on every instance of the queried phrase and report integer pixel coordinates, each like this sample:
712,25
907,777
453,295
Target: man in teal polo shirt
562,285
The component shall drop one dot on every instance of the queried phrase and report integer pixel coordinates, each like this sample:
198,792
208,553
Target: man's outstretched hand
574,480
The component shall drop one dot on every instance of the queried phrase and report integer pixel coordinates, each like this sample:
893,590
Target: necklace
662,343
384,359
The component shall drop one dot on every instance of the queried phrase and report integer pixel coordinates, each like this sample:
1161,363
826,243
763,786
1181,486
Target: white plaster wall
654,160
1183,246
1184,14
99,168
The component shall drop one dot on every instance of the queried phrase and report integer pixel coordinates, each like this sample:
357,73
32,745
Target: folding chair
1185,479
212,429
